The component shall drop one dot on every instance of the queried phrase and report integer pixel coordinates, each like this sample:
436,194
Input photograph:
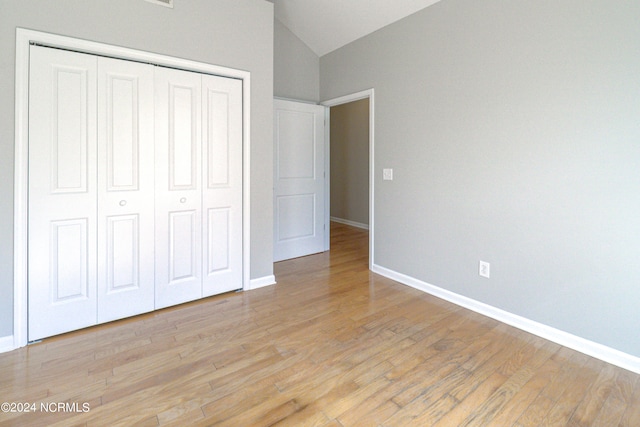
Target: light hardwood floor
331,344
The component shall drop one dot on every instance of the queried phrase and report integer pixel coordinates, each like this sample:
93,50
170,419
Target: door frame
369,93
24,38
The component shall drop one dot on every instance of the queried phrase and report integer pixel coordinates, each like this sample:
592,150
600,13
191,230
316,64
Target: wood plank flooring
331,344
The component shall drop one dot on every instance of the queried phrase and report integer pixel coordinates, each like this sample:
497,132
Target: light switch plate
484,269
387,174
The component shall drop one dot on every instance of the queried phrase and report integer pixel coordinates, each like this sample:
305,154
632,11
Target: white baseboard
349,222
6,344
590,348
262,282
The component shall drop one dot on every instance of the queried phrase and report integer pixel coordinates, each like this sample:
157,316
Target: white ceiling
326,25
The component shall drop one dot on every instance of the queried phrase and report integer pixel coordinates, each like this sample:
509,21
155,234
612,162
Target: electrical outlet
484,269
387,174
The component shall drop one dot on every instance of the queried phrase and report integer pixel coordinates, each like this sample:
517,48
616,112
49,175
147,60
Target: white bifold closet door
198,185
135,188
222,185
91,234
126,237
178,187
63,212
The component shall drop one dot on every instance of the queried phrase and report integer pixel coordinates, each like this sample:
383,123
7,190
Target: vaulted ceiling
326,25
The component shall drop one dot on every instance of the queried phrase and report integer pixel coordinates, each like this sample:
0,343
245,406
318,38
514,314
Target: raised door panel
183,247
296,148
69,264
178,187
296,216
184,139
298,179
62,192
218,241
222,192
126,215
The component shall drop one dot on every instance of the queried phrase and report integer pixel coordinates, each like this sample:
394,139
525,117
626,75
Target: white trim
246,181
349,222
327,178
20,193
369,93
7,343
348,98
590,348
165,3
23,39
300,101
261,282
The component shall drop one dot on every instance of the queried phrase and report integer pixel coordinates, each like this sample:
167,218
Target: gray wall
350,161
296,67
233,33
513,128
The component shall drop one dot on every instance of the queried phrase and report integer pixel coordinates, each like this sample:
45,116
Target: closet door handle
183,200
122,202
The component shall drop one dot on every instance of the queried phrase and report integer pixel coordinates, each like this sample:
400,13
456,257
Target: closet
135,188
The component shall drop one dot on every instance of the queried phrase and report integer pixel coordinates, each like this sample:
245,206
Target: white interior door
299,177
62,192
178,187
126,237
222,186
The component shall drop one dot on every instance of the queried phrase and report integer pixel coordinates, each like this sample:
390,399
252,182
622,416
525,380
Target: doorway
350,210
349,172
